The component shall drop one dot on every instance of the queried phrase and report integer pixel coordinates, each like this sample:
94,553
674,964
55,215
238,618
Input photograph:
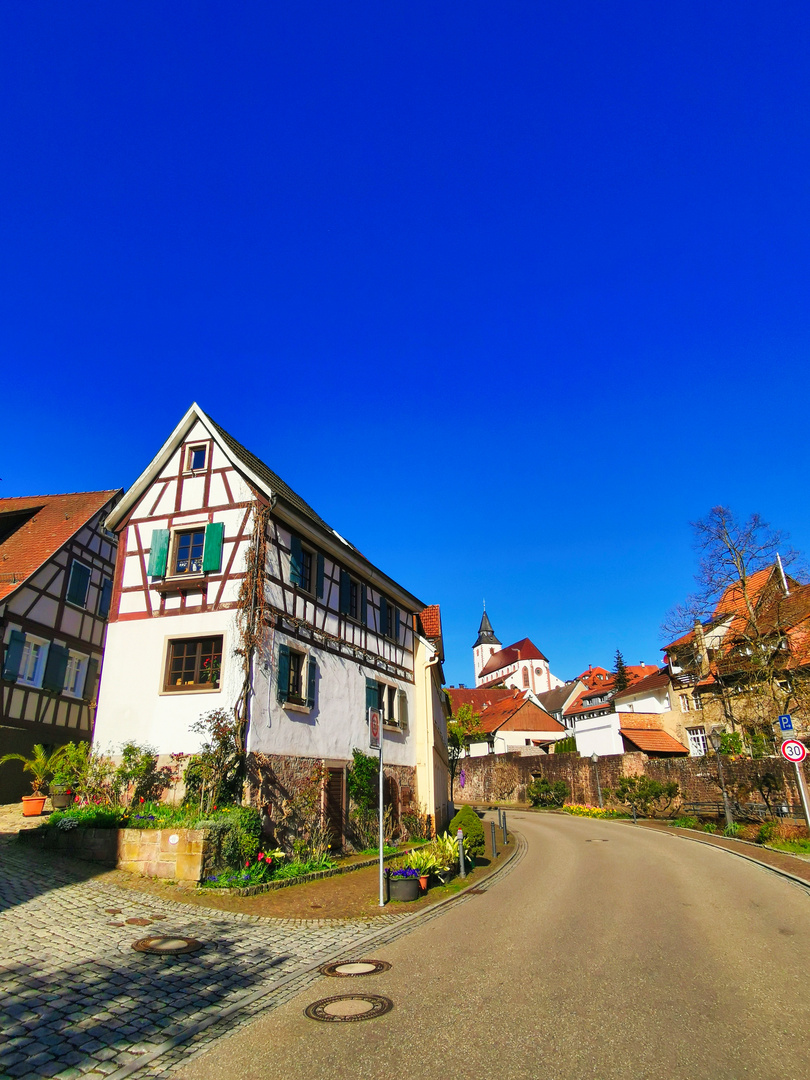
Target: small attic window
196,457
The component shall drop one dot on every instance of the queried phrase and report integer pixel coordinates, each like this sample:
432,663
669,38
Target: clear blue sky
509,292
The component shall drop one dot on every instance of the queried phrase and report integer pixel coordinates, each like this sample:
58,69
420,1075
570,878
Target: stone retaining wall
504,777
149,852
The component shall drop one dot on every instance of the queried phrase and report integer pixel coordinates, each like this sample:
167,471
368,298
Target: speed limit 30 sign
793,750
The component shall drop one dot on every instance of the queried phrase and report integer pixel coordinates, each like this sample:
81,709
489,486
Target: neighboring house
521,666
596,700
510,720
749,662
56,572
601,721
556,701
211,539
657,696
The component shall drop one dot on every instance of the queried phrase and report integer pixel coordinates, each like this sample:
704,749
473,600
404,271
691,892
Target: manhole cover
474,892
139,922
347,1007
116,924
355,967
167,946
113,910
596,840
154,917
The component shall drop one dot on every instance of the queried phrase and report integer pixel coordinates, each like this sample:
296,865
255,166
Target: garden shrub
565,746
470,824
685,822
542,792
580,810
733,829
363,780
766,831
709,827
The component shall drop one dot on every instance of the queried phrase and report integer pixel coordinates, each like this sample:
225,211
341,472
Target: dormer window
197,456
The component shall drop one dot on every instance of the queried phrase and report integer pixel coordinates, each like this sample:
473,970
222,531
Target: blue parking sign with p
785,723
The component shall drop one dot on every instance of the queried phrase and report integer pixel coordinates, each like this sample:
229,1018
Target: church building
522,665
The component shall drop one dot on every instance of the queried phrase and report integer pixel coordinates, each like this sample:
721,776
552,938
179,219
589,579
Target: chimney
701,654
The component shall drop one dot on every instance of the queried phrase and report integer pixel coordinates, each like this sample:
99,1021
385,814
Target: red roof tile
478,698
652,741
655,681
431,620
54,519
521,650
519,715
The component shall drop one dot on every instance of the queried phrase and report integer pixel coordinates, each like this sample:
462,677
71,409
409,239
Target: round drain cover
139,922
347,1007
355,967
167,946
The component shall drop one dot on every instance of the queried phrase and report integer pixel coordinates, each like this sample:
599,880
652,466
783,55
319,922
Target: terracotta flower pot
33,805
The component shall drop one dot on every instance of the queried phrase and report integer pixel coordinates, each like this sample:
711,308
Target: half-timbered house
56,571
209,538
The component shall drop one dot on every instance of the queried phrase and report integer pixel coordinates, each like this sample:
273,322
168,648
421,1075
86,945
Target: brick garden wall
504,777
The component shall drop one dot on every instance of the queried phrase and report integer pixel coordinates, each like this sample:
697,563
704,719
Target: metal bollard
461,867
504,828
492,836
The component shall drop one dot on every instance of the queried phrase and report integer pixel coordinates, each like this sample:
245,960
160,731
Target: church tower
485,646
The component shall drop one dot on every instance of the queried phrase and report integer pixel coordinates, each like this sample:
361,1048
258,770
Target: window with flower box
193,664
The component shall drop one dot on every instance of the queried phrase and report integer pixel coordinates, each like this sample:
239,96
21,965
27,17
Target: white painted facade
650,701
530,674
599,735
341,648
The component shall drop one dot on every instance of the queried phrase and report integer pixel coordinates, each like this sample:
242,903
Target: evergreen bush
470,824
542,792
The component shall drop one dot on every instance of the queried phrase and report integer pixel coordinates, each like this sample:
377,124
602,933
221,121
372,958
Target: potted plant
403,884
63,789
41,765
424,861
446,851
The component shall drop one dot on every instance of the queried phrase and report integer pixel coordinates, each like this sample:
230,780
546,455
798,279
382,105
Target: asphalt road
607,952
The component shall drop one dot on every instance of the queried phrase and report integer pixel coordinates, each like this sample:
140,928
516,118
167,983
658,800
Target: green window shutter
296,561
90,680
320,577
364,605
158,553
312,677
212,548
402,714
77,586
383,616
104,599
13,656
283,689
372,695
345,592
396,624
55,668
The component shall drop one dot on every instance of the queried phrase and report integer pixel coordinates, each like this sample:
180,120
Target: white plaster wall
337,724
599,735
131,703
656,701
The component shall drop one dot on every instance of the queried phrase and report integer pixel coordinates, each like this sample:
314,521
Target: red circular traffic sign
793,750
375,726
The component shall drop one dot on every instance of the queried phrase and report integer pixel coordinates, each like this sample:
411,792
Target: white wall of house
337,722
653,701
133,706
599,735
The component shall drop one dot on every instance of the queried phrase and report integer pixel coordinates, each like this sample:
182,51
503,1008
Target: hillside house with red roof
57,565
521,665
510,720
750,661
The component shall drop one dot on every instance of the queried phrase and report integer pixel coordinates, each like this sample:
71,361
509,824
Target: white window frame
75,674
190,457
684,701
698,744
41,660
174,540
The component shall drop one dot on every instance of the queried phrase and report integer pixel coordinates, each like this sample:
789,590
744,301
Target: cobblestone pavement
77,1001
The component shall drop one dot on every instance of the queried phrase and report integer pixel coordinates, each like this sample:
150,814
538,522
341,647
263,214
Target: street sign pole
382,830
802,791
375,742
795,751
